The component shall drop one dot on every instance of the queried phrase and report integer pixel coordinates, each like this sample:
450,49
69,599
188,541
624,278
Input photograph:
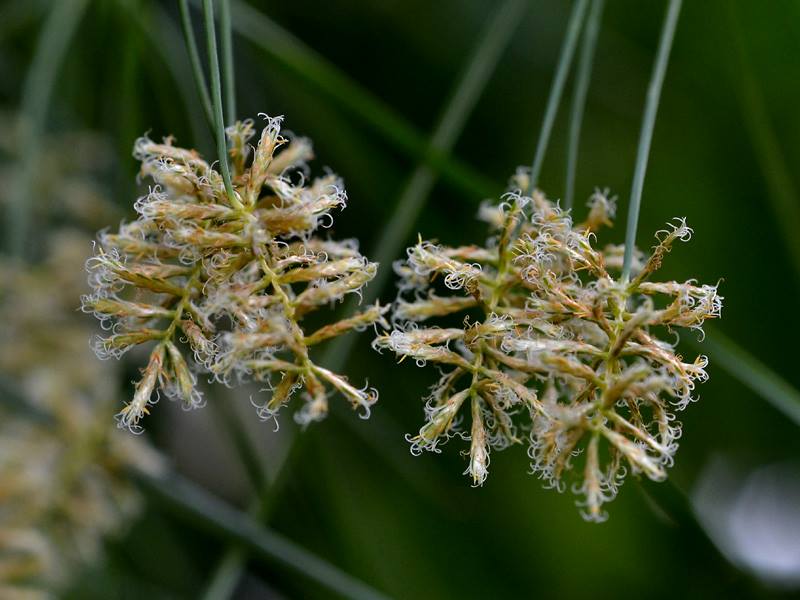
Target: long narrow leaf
191,502
752,373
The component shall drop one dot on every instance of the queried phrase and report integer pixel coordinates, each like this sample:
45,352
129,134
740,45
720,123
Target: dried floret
553,343
230,277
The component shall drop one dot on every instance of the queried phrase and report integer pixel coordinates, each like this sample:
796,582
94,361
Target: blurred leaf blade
782,193
754,374
190,501
307,65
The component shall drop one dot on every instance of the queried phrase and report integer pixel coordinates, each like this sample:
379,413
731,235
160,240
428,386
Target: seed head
230,279
553,344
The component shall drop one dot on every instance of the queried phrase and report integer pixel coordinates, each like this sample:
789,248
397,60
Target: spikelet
230,278
552,344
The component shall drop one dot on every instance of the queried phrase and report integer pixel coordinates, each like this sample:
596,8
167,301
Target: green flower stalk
554,345
230,278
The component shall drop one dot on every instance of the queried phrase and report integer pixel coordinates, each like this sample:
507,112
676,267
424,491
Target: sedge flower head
221,284
551,345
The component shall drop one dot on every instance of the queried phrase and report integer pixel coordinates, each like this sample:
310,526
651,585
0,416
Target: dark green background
420,531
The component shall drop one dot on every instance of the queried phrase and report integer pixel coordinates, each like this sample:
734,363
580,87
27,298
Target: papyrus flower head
552,344
230,278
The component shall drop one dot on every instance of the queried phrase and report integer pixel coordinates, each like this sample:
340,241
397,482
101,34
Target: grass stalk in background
216,101
191,502
646,134
494,40
51,48
754,374
162,35
557,88
582,79
305,64
782,192
452,121
194,60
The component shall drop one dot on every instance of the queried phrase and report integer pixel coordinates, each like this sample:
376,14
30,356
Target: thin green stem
216,100
155,23
191,502
646,134
453,119
583,76
557,89
494,39
326,79
228,73
194,60
37,90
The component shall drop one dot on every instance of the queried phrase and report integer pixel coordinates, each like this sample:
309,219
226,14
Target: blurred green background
725,154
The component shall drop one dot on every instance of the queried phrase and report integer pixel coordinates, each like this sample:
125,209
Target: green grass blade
51,48
226,575
646,134
557,88
302,62
493,41
191,502
451,124
752,373
194,61
583,76
782,192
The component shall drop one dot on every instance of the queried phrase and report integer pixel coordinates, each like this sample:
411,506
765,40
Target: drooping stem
584,75
646,134
216,100
228,73
557,89
194,60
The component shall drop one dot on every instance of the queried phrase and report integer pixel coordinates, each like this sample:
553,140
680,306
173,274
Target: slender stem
228,74
453,119
216,100
557,89
194,60
494,39
646,134
37,90
582,79
190,501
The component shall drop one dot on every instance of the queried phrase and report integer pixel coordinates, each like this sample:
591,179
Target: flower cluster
229,274
63,471
552,344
